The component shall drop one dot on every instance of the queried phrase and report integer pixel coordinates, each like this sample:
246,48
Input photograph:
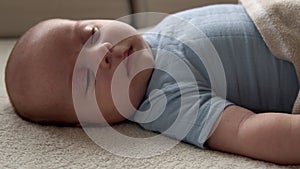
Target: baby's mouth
130,51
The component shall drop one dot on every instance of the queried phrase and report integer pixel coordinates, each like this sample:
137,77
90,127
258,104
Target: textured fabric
279,25
255,79
27,145
278,22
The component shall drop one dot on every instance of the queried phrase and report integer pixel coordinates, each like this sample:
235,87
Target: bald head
33,85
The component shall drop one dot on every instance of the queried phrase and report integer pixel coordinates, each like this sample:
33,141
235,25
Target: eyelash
94,31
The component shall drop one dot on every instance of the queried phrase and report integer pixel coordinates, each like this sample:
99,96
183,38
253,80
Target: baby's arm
273,137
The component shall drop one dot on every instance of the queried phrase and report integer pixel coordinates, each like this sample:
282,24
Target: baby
39,70
40,73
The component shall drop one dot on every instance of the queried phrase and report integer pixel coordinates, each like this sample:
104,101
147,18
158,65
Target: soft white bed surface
27,145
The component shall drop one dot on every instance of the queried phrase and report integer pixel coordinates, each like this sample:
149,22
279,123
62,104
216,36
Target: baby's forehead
33,38
35,49
50,33
48,28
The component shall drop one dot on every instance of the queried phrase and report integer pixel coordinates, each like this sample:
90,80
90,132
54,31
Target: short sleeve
182,111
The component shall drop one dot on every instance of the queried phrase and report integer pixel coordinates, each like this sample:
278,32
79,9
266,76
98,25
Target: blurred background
17,16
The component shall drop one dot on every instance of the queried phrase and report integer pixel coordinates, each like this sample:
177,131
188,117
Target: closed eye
95,34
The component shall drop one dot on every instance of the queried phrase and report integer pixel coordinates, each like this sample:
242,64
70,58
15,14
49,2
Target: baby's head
39,70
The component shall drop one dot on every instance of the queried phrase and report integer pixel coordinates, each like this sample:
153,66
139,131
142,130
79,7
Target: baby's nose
96,54
108,46
119,51
103,49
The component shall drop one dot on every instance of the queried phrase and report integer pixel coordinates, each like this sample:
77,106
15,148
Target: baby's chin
127,100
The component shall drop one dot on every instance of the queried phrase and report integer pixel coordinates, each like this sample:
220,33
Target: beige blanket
278,21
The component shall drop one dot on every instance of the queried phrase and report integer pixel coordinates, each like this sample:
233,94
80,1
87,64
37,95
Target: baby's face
55,47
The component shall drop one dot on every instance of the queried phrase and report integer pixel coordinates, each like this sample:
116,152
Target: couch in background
16,16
